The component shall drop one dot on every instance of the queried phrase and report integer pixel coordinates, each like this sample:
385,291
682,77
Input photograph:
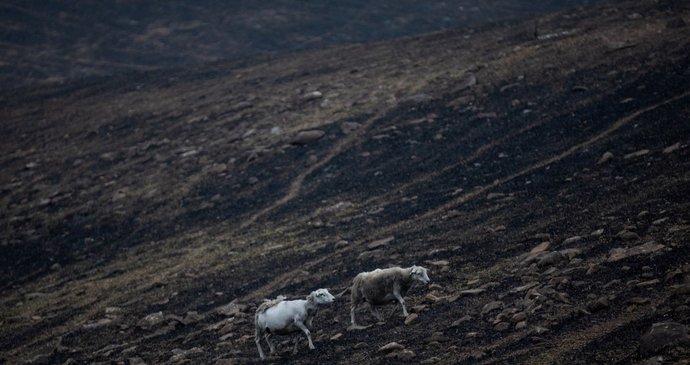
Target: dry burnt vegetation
539,169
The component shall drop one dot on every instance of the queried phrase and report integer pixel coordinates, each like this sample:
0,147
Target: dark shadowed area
538,167
57,40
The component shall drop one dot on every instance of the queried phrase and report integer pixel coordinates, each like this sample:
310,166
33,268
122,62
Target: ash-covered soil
56,41
541,174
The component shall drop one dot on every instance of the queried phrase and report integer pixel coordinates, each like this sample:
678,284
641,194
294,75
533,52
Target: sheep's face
419,273
322,296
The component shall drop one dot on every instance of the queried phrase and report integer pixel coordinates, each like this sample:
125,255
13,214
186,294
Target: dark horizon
57,41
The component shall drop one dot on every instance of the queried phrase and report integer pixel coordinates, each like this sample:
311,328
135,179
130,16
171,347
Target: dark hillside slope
145,218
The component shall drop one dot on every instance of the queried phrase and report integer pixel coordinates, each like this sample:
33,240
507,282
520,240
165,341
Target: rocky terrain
539,169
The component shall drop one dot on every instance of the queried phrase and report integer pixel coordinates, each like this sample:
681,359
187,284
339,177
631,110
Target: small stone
472,291
151,320
521,325
626,235
306,137
551,258
435,287
411,318
312,96
380,243
544,246
597,233
492,306
431,299
672,148
457,323
360,345
392,346
502,326
659,221
639,301
648,283
518,317
600,303
341,244
617,254
606,157
404,355
639,153
336,337
661,335
571,240
349,127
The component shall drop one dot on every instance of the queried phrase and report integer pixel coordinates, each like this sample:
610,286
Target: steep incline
542,178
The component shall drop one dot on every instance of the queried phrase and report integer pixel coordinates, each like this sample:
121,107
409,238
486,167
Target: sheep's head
322,296
419,273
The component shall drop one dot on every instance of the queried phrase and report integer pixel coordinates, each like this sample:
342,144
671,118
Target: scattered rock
493,196
464,318
468,80
626,235
99,324
502,326
311,96
598,232
392,346
404,355
518,317
672,148
617,254
231,309
606,157
492,306
380,243
544,246
521,325
472,291
151,320
306,137
598,304
639,153
571,240
411,318
341,244
431,299
661,335
336,337
435,287
551,258
349,127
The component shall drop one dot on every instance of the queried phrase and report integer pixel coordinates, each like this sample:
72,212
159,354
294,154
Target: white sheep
281,317
384,286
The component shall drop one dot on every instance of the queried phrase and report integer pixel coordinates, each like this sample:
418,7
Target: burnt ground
55,41
136,209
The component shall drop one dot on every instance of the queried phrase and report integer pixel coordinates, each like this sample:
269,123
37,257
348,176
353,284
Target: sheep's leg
352,314
257,340
270,344
376,313
400,299
306,331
